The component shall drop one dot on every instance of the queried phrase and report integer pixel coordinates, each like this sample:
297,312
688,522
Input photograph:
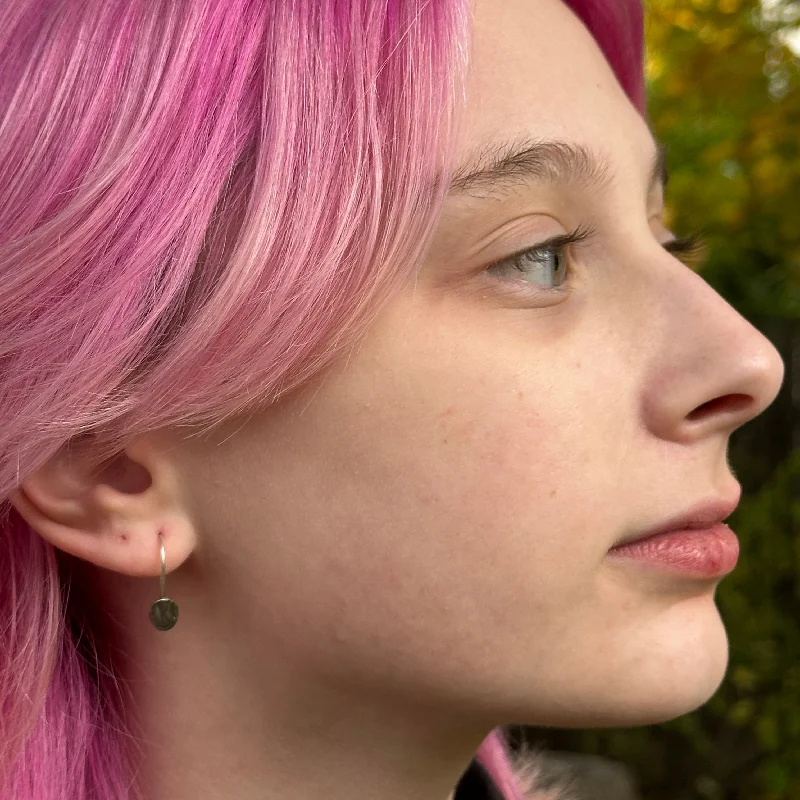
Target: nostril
729,403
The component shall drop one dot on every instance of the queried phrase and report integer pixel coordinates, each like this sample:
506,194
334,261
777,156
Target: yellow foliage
686,19
723,39
731,213
769,172
719,152
653,64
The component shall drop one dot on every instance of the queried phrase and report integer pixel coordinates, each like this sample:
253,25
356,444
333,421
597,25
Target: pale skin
381,568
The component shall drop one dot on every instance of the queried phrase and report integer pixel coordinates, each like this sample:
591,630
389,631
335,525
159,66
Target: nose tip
716,371
752,385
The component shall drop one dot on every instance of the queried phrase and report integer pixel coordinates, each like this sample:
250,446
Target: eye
545,264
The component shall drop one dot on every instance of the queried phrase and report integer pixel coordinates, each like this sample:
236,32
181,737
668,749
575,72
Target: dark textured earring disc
164,614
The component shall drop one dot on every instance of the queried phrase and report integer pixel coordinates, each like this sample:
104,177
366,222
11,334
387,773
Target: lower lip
707,553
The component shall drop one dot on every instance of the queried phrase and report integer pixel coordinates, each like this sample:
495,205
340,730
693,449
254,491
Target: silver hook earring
164,612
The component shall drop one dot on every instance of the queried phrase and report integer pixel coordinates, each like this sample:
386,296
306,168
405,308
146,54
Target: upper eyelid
590,232
578,237
582,234
694,244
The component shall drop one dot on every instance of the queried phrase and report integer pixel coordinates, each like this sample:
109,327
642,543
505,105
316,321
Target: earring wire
164,612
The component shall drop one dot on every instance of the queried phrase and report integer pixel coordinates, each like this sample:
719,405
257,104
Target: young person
342,343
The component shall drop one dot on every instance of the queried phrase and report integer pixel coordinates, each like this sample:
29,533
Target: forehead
536,71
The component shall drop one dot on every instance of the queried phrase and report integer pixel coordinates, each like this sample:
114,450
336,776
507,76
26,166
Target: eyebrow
499,166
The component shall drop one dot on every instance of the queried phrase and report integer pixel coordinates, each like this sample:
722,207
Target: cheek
482,455
456,496
468,464
406,503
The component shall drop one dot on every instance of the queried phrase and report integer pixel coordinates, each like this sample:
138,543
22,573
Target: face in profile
430,519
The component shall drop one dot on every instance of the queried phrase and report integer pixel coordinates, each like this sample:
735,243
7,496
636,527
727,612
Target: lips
700,517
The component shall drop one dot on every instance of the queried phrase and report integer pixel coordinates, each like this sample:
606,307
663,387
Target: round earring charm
164,612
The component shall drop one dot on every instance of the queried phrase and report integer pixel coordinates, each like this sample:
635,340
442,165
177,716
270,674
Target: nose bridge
711,370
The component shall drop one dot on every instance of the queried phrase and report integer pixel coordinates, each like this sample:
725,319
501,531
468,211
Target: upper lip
701,516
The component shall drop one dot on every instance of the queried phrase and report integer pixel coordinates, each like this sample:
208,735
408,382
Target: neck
218,715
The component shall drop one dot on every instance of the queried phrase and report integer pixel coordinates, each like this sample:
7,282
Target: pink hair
201,204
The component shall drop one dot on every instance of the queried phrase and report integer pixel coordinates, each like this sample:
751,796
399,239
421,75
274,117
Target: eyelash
690,250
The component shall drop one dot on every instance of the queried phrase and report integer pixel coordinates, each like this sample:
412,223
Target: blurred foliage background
724,96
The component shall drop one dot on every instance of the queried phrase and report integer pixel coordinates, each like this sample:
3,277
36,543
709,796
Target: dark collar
475,784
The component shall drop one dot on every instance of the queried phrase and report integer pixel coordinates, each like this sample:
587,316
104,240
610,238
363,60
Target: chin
663,669
675,671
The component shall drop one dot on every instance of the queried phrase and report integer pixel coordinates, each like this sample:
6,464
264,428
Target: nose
713,371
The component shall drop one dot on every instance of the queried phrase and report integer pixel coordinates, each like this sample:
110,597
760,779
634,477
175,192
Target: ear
111,514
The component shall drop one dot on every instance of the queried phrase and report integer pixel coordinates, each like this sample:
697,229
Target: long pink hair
201,203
